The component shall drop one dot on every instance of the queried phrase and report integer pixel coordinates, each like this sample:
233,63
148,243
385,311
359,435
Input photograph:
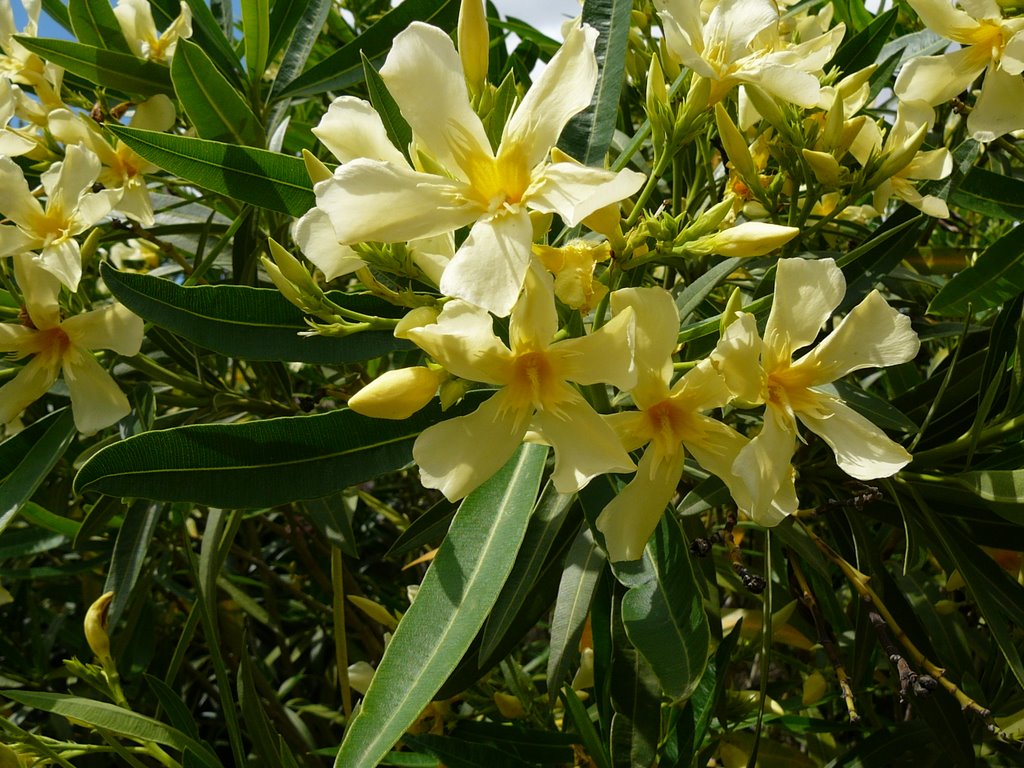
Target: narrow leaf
991,194
260,463
130,550
94,23
256,34
455,597
861,50
589,134
251,323
397,128
109,69
213,105
663,611
112,718
314,15
583,567
257,176
343,68
995,277
27,458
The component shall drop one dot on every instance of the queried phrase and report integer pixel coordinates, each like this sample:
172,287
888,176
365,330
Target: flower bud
732,307
509,706
396,394
415,318
452,391
317,171
736,148
96,629
474,43
824,167
814,688
751,238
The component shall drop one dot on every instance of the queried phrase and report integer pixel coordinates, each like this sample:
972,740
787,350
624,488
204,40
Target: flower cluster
467,208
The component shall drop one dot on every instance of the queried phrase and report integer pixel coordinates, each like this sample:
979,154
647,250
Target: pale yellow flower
58,345
760,370
533,375
71,208
670,422
378,197
146,42
739,42
991,44
123,168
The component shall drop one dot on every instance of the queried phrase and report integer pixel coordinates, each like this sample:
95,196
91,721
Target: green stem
962,443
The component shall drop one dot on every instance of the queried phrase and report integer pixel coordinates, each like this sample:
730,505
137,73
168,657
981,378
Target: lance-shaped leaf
251,323
95,24
27,458
991,194
996,276
259,463
213,105
258,176
303,33
663,610
344,68
589,134
454,599
109,69
115,719
863,49
256,34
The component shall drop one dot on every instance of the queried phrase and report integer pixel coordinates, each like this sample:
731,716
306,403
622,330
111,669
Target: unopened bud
452,391
814,688
396,394
415,318
751,238
509,706
824,167
732,307
96,629
736,147
317,171
474,43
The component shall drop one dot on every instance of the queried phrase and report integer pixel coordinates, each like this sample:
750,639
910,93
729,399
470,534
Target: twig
910,681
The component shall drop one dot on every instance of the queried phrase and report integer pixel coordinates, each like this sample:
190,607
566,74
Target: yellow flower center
534,384
988,34
665,424
51,225
499,181
788,388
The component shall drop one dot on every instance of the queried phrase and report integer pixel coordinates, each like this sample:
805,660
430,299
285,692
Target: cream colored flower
12,143
58,345
123,168
670,422
136,20
991,44
71,208
573,267
459,179
739,42
873,334
533,375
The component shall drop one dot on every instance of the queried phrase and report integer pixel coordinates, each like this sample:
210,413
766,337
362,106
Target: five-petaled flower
533,375
64,345
760,370
460,180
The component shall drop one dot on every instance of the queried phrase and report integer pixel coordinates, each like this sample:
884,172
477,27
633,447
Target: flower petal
702,388
631,517
458,455
937,79
18,204
575,191
806,294
96,400
1000,106
763,467
489,268
113,327
862,450
563,89
657,326
63,259
873,335
67,180
369,200
29,385
738,357
156,113
606,355
315,235
463,341
424,75
585,446
40,290
351,128
534,319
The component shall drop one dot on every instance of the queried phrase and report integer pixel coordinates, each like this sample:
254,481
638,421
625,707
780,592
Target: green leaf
109,69
1004,486
453,601
257,724
94,23
456,753
213,105
343,68
583,567
259,463
27,458
256,34
397,128
206,33
589,134
130,550
58,11
257,176
861,50
314,14
693,295
285,20
251,323
115,719
663,612
995,277
585,727
550,515
991,194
